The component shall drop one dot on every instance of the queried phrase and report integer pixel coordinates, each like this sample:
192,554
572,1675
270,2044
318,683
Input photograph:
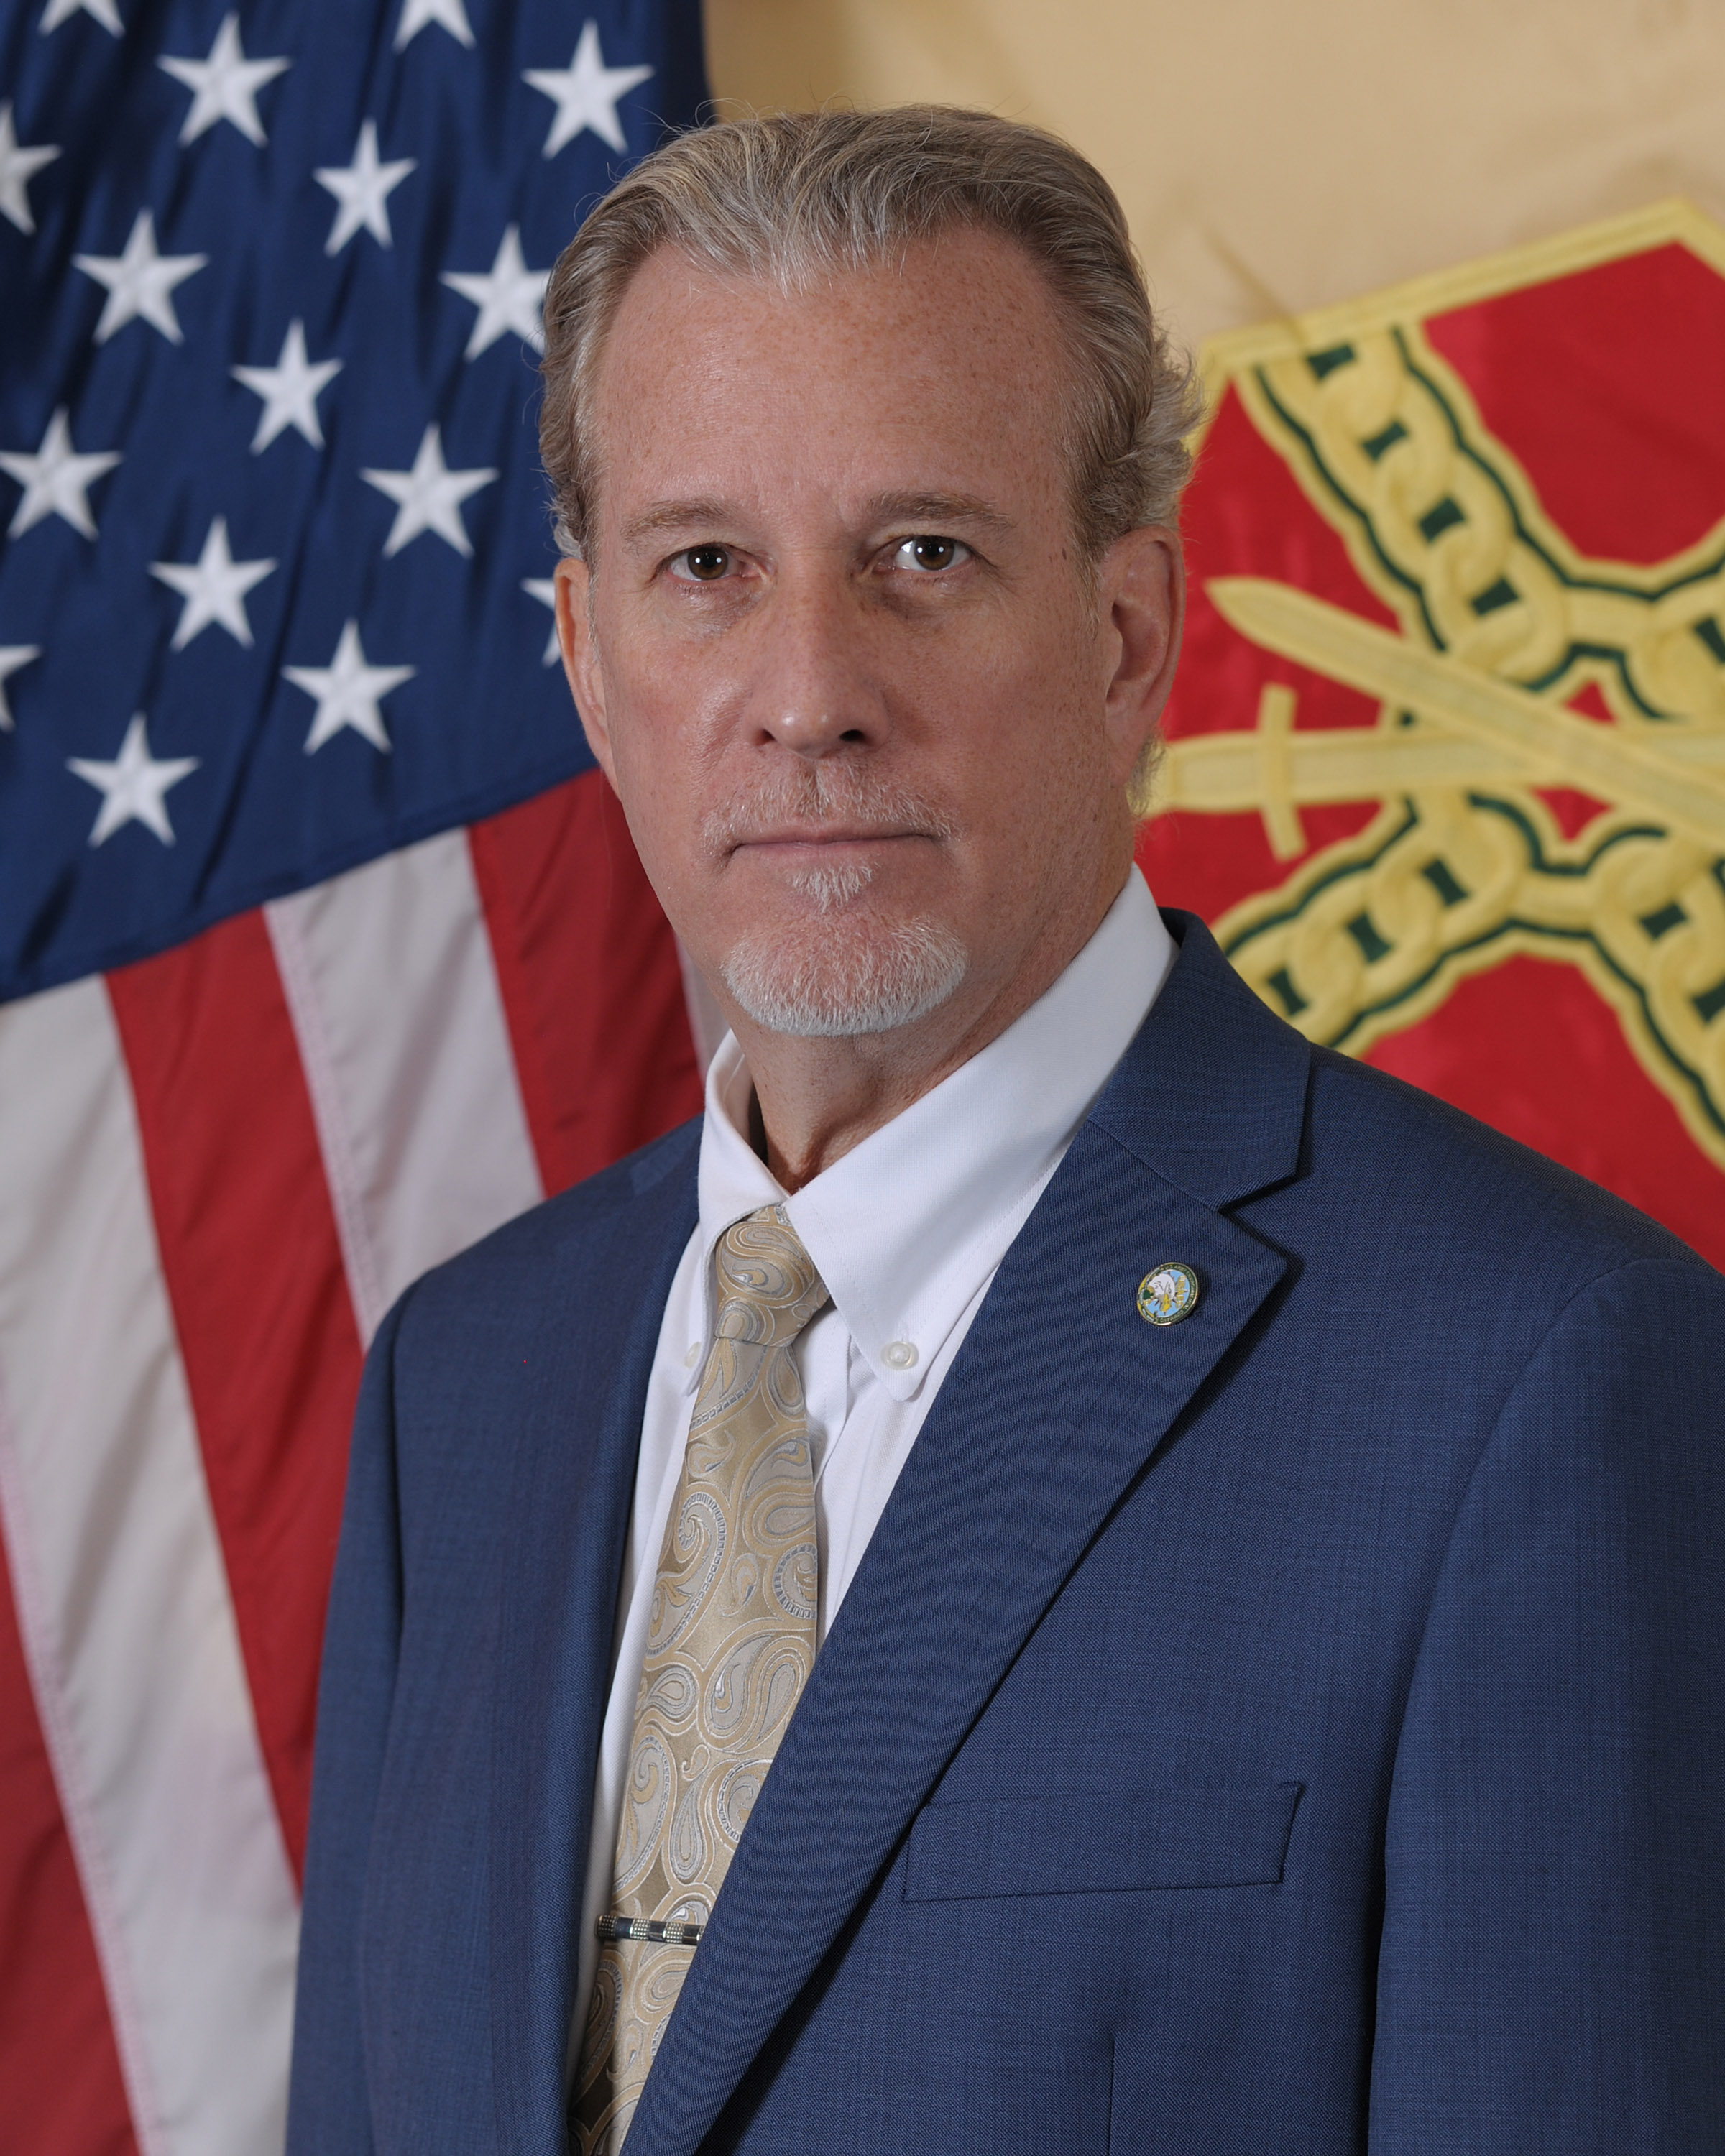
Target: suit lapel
1056,1402
573,1484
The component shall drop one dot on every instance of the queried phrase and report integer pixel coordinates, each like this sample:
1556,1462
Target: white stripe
393,990
34,1607
124,1605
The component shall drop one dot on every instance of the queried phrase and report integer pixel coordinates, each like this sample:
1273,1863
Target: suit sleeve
1552,1972
328,2107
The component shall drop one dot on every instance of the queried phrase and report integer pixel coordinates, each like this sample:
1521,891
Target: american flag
322,947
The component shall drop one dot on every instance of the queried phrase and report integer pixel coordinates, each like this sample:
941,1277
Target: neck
816,1099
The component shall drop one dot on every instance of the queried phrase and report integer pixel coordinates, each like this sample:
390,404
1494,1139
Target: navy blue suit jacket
1302,1728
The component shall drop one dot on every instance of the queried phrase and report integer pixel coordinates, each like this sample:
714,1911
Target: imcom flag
322,947
1446,768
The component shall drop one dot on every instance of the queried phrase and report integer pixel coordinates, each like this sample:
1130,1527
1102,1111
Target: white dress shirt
907,1231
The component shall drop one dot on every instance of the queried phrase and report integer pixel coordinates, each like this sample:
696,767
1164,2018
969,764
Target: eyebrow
674,516
924,511
936,510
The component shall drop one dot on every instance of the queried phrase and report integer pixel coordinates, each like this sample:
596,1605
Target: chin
835,979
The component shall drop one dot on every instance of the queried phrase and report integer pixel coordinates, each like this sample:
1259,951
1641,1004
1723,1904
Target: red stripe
592,987
60,2090
266,1326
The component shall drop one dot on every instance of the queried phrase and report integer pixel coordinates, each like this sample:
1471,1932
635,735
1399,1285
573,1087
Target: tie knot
768,1286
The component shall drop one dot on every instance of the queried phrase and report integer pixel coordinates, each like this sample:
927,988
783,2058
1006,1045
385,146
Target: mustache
842,795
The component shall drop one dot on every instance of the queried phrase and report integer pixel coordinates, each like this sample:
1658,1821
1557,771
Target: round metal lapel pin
1167,1293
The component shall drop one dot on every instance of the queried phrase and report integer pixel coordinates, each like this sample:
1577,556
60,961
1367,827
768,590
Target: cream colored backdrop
1275,154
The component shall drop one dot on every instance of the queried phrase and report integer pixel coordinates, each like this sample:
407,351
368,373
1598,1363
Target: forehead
942,369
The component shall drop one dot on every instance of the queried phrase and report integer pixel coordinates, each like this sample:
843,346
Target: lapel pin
1167,1293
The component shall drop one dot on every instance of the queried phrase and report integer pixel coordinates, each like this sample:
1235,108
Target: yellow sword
1679,781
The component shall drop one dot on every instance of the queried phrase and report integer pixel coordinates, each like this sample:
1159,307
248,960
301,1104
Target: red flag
1446,762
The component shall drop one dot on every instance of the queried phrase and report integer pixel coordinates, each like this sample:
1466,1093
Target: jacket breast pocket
1122,1842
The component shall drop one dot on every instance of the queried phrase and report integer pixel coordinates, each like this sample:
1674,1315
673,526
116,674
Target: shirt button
692,1355
899,1355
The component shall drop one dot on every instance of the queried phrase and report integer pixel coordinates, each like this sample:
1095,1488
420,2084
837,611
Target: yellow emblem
1502,621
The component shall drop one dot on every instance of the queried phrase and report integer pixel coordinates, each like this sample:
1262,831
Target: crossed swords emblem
1500,618
1478,731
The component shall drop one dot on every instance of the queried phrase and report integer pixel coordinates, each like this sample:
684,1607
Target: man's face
869,720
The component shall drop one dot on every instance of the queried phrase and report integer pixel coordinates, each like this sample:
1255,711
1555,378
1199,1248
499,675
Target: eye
704,564
929,553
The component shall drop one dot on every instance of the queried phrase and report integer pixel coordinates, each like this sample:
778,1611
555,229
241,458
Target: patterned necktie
730,1644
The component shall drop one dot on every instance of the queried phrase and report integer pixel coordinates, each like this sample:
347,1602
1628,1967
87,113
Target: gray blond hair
795,198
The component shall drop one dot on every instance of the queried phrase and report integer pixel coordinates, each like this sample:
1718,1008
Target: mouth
824,842
831,822
830,870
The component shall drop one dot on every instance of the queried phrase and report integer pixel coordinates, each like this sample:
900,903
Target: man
1064,1571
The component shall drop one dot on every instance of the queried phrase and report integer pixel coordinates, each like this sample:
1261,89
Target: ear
1142,593
581,660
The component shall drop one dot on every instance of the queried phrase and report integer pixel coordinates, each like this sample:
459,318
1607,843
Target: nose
814,689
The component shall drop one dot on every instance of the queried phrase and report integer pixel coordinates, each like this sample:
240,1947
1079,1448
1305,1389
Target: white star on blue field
276,549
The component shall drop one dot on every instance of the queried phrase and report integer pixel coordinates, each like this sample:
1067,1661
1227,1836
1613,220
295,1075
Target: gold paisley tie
730,1644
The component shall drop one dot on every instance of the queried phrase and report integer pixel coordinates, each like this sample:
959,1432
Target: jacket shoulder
1220,1095
1444,1175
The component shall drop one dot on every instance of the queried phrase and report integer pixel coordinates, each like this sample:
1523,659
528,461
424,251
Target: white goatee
845,971
884,975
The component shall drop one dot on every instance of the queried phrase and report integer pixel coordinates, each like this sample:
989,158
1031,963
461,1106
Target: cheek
650,763
661,799
652,714
1039,742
